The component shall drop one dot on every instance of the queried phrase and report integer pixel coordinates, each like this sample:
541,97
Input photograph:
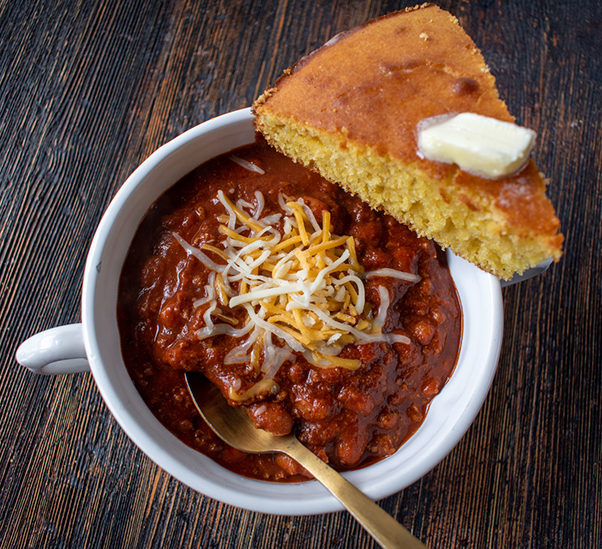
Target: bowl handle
56,351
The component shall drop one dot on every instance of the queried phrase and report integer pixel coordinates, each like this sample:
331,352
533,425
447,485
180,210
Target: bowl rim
449,417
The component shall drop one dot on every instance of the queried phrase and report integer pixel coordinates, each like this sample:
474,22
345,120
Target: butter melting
479,145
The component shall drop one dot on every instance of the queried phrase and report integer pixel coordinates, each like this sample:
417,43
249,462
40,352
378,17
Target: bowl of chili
95,345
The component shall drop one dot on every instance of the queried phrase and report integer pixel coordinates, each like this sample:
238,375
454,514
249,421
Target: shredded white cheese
303,285
246,164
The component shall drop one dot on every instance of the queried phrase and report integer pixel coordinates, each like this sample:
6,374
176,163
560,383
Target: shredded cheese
246,164
303,285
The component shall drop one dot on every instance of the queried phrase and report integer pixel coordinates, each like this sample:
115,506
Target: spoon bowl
233,426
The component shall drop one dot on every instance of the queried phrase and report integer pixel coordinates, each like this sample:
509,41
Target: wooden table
90,89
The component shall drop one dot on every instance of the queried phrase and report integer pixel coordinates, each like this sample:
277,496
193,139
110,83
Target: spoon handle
385,530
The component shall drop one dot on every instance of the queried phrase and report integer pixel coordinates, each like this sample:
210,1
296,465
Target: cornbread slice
350,110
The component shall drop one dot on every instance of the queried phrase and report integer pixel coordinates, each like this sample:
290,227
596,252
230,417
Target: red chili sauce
349,418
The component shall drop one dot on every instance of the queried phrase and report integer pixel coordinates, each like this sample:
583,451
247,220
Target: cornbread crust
350,111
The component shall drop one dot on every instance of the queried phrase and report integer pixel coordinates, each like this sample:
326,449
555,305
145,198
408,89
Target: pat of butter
478,144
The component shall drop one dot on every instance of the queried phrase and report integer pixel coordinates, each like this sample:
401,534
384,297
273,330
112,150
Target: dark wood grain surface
89,89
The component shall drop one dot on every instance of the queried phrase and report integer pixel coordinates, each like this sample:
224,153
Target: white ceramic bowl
94,345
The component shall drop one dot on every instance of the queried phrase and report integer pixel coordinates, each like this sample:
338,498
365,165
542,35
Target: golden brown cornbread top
372,85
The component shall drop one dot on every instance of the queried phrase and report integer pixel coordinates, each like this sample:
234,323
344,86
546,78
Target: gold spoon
233,426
